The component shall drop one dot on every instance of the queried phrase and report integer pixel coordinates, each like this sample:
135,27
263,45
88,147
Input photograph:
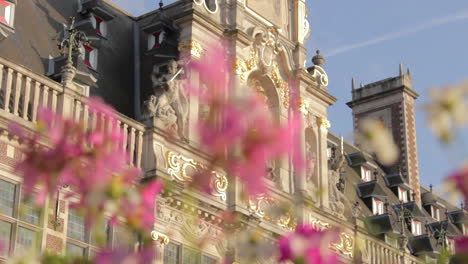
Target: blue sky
368,39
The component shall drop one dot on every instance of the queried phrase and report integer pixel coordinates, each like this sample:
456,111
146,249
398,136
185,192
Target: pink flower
308,245
460,180
122,256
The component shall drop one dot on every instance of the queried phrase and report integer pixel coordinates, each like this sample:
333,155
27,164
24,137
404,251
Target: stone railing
379,252
23,92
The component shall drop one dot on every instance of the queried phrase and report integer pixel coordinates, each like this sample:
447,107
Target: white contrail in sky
404,32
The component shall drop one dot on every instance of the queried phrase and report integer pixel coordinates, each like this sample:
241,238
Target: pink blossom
308,245
122,256
460,180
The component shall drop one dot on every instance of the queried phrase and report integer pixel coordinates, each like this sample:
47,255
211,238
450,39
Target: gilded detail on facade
345,245
259,207
323,123
159,237
192,48
182,168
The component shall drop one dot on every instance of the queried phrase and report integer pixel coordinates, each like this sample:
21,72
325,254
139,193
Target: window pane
75,251
5,235
208,260
171,254
191,256
76,226
123,238
30,214
27,240
7,197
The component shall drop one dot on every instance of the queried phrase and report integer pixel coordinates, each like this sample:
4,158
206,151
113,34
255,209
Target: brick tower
392,101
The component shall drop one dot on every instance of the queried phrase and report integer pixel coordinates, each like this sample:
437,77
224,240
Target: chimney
392,101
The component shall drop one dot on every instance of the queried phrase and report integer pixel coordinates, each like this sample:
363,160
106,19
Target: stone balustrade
23,93
378,252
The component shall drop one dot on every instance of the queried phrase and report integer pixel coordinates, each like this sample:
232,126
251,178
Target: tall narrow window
377,207
7,12
171,254
191,256
416,228
90,57
100,25
402,195
365,174
156,39
435,213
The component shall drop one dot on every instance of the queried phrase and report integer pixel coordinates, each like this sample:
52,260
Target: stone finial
401,70
318,59
408,72
430,187
353,84
161,4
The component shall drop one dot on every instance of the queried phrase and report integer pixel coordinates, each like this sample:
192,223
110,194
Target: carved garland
258,206
345,245
181,168
192,48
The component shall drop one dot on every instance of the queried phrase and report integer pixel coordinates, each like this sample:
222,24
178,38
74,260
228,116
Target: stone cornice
402,89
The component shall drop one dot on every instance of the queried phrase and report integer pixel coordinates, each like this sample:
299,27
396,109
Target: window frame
416,228
377,206
92,53
87,244
403,195
435,212
365,174
10,19
182,248
100,25
17,222
152,43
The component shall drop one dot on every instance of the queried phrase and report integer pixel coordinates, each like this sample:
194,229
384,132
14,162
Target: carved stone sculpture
337,198
168,104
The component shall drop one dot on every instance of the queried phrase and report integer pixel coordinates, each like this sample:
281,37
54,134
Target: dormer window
377,207
402,194
435,213
90,56
100,25
416,228
155,40
7,12
365,174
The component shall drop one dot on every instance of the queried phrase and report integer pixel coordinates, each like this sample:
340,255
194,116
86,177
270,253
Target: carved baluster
132,145
77,111
9,83
35,106
139,149
45,96
85,117
125,137
1,76
17,95
27,96
54,100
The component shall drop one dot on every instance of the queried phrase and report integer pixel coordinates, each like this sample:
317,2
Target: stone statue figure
337,198
168,103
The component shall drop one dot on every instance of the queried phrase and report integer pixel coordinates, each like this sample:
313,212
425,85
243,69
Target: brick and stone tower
392,101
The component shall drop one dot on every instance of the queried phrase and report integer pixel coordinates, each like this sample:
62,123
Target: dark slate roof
356,159
458,217
450,228
370,189
393,180
412,207
382,224
37,25
423,244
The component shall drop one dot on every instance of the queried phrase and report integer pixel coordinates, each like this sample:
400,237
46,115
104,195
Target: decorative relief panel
182,169
263,57
212,6
260,207
345,245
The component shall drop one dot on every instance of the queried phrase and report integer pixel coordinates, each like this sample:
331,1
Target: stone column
324,125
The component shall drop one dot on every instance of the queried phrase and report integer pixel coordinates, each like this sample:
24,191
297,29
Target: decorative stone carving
159,237
182,168
168,104
192,48
345,246
323,123
212,6
337,198
263,57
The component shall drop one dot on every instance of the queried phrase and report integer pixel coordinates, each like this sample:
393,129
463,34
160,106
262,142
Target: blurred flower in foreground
460,181
374,137
308,246
447,110
239,131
